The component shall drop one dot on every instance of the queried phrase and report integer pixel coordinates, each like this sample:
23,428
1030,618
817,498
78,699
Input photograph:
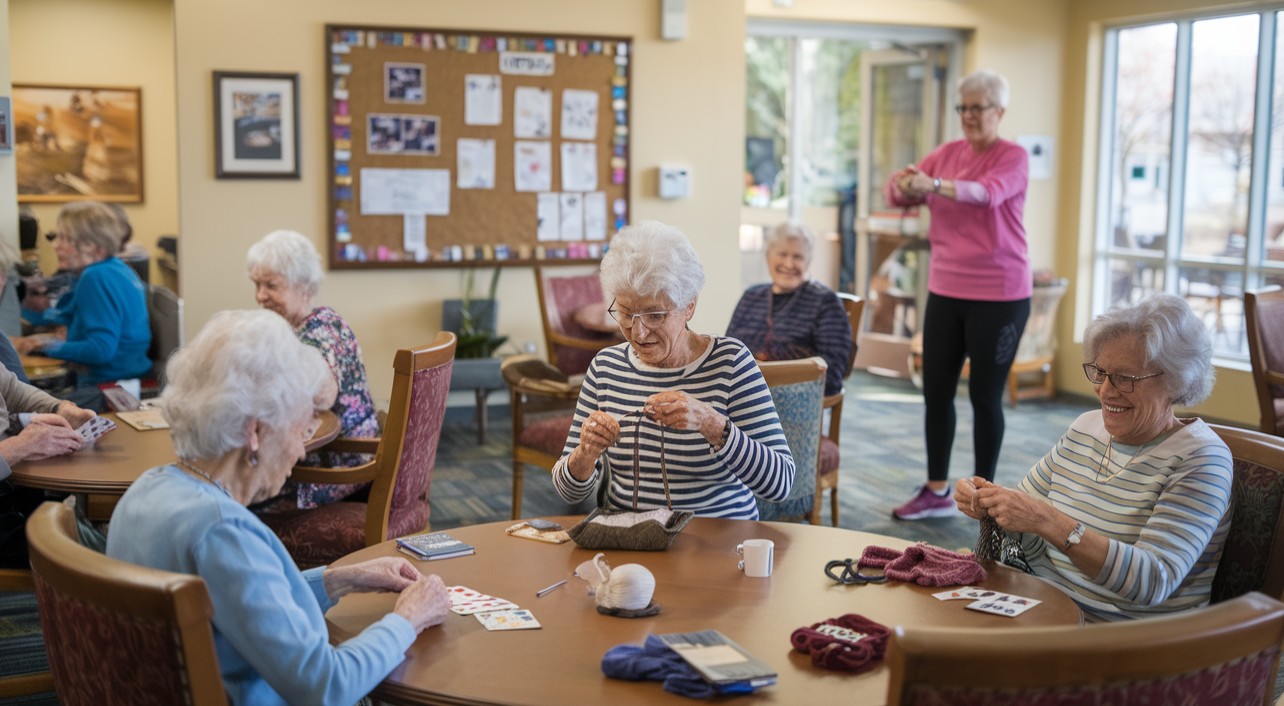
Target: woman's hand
74,414
388,573
424,603
26,345
903,179
39,440
679,410
1014,510
965,496
597,434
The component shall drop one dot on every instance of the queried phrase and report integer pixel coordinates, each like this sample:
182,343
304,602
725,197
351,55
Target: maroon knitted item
925,565
832,646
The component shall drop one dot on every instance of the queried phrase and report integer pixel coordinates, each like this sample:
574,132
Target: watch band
1075,535
936,185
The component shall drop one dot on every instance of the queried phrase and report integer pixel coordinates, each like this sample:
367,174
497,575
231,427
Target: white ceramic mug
758,555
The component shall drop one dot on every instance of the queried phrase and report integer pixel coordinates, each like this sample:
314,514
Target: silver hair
790,231
91,224
242,366
993,85
289,254
651,259
1173,339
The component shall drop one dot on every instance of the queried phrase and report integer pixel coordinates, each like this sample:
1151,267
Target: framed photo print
402,134
256,125
78,142
403,83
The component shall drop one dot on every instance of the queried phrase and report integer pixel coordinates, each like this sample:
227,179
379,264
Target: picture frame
256,125
77,142
403,82
388,133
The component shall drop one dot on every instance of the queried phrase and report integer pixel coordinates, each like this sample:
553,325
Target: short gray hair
1173,339
241,366
652,259
993,85
788,232
289,254
93,224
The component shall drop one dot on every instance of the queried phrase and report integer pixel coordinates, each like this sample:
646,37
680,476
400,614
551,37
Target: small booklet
433,546
720,661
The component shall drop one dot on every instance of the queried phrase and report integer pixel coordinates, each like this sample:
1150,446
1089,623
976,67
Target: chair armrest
356,474
354,444
1273,378
834,403
587,344
528,375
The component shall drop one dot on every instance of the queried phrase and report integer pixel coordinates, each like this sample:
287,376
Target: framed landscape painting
256,125
78,142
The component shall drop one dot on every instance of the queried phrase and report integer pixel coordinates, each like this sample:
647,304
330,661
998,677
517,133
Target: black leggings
987,333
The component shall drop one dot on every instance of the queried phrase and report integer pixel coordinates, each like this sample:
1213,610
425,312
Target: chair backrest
798,390
1264,317
1253,558
165,315
1221,654
398,503
118,633
855,308
559,298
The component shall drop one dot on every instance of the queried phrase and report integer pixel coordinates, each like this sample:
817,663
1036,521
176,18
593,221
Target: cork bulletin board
457,148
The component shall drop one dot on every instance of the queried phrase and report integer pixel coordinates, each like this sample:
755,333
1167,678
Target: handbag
652,530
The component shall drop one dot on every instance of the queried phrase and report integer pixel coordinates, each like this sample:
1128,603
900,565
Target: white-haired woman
240,402
1128,512
286,271
695,404
979,282
794,316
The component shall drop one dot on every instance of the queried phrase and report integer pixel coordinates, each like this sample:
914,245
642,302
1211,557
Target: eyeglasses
1122,382
851,575
652,319
973,108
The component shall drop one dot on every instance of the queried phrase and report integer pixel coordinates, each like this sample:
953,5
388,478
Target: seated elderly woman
794,316
105,311
696,404
1128,512
240,402
286,271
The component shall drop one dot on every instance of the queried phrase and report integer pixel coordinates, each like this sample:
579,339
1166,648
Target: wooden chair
570,345
798,390
118,633
827,468
1264,317
542,402
400,474
1253,557
1222,654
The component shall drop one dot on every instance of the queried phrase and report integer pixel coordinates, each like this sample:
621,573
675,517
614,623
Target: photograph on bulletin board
452,148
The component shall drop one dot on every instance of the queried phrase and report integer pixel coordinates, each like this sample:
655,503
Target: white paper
579,114
1039,148
483,99
475,164
532,112
526,63
572,207
579,166
595,215
532,169
393,192
549,224
414,233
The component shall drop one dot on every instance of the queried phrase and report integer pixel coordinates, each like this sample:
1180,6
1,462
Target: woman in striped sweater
690,412
1128,513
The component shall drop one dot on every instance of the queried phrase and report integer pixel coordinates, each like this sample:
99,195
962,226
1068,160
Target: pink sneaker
926,504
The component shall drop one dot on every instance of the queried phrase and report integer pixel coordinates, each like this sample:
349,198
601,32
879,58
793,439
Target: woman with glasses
679,419
1128,512
979,281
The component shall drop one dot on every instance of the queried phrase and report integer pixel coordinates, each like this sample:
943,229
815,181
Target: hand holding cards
94,428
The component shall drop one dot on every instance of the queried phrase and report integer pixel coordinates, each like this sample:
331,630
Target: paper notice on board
595,215
579,114
393,192
549,224
483,99
572,212
579,166
414,235
475,163
532,168
532,112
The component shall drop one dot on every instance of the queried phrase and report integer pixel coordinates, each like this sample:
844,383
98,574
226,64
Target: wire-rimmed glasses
652,319
1121,381
973,108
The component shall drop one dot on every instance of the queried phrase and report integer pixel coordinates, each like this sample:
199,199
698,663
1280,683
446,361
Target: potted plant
473,320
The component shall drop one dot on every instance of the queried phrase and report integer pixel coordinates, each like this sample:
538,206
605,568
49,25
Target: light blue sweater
107,327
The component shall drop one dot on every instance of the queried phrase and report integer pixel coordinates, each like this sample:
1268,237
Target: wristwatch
1076,535
936,185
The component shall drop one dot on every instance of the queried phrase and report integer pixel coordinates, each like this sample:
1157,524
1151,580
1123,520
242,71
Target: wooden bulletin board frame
396,103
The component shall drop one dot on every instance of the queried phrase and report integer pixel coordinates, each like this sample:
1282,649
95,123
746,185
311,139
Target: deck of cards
94,428
988,601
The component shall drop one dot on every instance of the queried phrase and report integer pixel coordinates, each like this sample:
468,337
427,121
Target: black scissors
851,575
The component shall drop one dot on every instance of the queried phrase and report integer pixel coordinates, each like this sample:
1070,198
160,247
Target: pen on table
540,593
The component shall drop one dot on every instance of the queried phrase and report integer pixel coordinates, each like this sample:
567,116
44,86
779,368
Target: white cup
758,555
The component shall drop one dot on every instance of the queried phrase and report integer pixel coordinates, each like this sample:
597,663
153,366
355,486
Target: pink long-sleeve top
978,238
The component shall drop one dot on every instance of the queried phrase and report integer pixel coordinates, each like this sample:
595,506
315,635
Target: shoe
926,504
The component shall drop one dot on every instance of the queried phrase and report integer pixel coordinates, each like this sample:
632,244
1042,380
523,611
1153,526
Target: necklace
1107,458
193,468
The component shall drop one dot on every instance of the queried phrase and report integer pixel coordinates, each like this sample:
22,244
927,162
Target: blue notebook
436,545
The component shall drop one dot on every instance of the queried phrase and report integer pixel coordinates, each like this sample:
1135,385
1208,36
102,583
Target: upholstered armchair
827,469
542,401
570,345
1253,557
1264,321
797,389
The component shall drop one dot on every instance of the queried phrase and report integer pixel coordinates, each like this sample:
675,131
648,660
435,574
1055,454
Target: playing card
957,594
508,620
1004,604
94,428
466,601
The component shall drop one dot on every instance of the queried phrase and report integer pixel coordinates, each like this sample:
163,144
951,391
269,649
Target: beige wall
8,174
108,43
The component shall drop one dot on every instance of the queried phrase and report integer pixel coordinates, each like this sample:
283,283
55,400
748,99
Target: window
1190,140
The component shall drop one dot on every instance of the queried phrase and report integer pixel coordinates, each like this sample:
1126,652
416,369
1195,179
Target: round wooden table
698,587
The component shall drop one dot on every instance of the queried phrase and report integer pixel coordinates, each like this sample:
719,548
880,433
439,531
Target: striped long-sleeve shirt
754,461
808,321
1166,516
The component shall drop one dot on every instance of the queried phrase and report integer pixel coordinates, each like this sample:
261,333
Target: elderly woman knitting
286,271
240,403
690,410
1128,512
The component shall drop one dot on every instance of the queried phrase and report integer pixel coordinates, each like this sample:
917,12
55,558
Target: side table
481,375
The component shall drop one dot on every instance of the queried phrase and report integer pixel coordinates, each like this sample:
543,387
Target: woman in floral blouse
286,271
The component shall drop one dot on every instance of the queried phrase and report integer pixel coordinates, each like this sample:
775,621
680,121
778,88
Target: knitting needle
543,591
